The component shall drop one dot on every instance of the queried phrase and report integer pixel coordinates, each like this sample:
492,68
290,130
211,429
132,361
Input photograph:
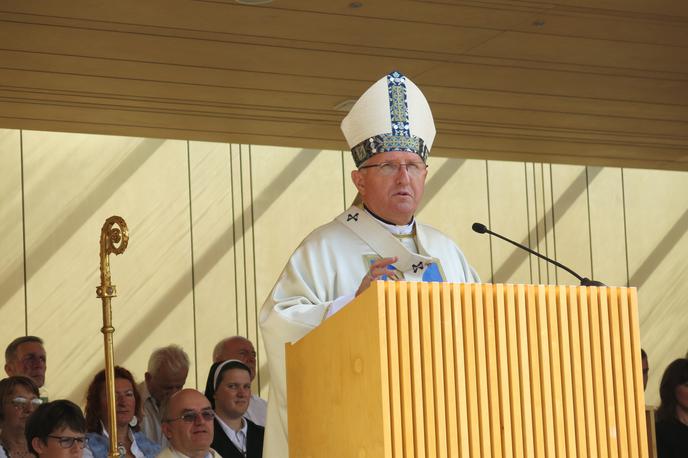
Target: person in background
187,423
57,430
167,371
26,356
229,390
646,367
131,441
19,397
240,348
672,414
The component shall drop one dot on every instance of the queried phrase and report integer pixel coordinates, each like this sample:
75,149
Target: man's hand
377,270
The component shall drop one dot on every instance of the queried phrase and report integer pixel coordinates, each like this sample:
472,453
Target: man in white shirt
240,348
166,375
188,426
390,131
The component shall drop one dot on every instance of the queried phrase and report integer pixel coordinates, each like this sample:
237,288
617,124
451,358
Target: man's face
165,383
241,349
51,448
30,362
188,437
233,393
394,197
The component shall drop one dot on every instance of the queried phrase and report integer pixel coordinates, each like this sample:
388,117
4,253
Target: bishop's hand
376,271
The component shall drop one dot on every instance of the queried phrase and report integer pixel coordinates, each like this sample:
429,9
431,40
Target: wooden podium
471,370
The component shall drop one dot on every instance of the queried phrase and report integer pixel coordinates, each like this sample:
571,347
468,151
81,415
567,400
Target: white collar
406,229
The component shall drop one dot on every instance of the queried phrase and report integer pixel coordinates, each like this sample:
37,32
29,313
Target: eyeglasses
190,417
68,441
20,402
415,169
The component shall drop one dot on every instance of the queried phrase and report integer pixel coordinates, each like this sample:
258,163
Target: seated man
26,356
166,375
242,349
57,429
188,426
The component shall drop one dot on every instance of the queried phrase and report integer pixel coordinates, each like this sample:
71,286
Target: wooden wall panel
508,216
294,191
215,261
349,188
73,183
456,197
657,222
607,225
570,215
12,321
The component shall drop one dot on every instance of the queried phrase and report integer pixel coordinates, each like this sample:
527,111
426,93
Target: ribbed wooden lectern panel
485,371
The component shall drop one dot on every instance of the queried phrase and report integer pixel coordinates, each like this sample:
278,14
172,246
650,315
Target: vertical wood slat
492,373
473,417
397,439
565,374
611,427
537,404
450,397
548,412
628,360
514,379
416,371
481,366
617,367
586,357
428,376
577,375
385,378
643,424
504,370
437,370
500,306
405,369
555,372
597,374
524,371
463,414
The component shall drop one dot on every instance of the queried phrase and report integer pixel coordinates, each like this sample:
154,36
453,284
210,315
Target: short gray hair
172,356
11,350
217,351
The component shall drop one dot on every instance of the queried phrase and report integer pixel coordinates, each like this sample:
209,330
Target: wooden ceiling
602,82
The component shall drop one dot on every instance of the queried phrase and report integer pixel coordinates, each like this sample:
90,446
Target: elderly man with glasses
187,423
390,131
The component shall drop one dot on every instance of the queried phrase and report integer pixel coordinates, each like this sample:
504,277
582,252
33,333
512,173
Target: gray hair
217,351
172,356
11,350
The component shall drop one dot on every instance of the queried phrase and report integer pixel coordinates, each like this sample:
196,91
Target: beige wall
211,226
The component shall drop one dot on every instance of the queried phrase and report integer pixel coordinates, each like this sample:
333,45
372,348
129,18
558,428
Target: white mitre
392,115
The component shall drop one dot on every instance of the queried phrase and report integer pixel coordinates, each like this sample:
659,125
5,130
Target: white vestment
330,263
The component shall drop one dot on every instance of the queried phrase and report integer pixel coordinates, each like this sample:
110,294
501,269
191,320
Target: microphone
584,281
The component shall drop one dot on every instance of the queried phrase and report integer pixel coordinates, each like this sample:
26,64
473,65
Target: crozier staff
390,131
